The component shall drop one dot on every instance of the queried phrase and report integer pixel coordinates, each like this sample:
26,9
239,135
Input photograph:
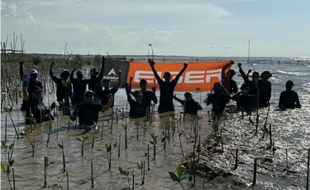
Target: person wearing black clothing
89,110
166,88
79,86
137,107
147,95
190,105
107,91
36,112
218,99
64,89
233,88
95,81
30,83
289,98
244,101
253,85
264,89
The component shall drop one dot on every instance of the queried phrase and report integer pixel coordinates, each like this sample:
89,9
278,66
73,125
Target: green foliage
123,172
108,147
7,109
178,175
7,146
6,168
154,139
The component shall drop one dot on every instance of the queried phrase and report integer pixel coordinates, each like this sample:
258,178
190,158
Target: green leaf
163,139
4,145
123,172
151,142
4,167
7,109
115,145
79,139
139,165
174,177
180,170
11,146
107,147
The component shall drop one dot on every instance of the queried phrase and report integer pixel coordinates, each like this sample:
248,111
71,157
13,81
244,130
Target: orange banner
199,76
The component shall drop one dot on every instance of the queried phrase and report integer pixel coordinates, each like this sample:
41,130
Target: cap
33,71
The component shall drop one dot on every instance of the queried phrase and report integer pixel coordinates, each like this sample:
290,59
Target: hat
33,71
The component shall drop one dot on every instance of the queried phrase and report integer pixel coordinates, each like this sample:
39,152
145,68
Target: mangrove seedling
92,174
82,145
63,156
141,167
108,149
8,110
178,176
154,142
125,173
6,167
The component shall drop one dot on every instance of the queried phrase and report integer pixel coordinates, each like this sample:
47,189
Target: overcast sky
173,27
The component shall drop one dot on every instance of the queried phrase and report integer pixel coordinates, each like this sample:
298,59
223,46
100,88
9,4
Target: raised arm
21,71
244,76
152,63
180,73
102,68
129,98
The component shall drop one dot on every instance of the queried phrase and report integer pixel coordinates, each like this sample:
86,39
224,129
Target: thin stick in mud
13,173
92,174
236,160
307,185
45,169
67,176
148,157
255,172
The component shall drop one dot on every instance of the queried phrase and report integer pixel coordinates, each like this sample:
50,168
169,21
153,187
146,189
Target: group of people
254,93
83,99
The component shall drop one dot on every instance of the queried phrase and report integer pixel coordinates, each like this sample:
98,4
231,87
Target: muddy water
290,131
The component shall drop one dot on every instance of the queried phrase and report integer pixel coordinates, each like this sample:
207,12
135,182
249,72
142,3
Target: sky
173,27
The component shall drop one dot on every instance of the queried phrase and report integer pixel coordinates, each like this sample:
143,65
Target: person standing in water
64,89
289,98
95,81
190,105
166,88
137,106
264,87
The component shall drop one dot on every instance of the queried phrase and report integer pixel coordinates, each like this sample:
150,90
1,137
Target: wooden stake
286,158
236,160
255,171
13,173
148,157
119,146
45,168
92,174
67,176
307,185
63,157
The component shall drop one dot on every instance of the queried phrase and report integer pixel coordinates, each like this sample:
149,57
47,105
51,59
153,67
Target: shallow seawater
290,131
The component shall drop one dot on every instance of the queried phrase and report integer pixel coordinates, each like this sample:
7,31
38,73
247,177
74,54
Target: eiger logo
112,71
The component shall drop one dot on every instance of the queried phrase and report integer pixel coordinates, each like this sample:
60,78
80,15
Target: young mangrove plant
8,110
141,167
63,156
126,174
178,176
82,144
6,167
154,142
108,149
